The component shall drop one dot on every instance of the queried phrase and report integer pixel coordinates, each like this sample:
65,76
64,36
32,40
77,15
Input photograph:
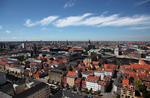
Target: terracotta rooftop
88,72
71,74
78,80
4,58
92,79
102,83
141,61
3,63
95,62
109,67
125,83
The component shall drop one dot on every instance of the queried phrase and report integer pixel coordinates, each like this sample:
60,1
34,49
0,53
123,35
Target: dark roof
58,95
68,93
7,88
56,71
31,90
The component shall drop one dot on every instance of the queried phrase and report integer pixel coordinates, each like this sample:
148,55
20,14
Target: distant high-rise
116,51
23,45
90,46
89,43
34,51
67,42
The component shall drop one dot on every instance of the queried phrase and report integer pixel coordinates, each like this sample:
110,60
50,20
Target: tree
119,62
86,90
142,88
91,91
44,60
146,94
118,96
80,88
131,80
99,92
67,86
62,84
74,88
20,58
137,83
70,68
83,78
80,74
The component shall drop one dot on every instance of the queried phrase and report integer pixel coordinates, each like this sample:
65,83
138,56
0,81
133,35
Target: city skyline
73,20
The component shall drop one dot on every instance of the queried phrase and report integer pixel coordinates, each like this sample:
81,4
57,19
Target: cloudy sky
116,20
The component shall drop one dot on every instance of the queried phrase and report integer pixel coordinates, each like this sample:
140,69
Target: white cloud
1,27
43,22
99,20
48,20
128,21
89,19
114,20
69,3
28,23
8,31
142,2
71,20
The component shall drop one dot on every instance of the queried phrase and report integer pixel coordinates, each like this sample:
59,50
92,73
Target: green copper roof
15,85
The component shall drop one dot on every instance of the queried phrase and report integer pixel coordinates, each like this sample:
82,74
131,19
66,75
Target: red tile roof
102,83
56,62
110,70
34,63
95,62
98,69
72,49
71,74
36,76
125,83
92,79
88,72
4,58
78,80
141,61
3,63
110,66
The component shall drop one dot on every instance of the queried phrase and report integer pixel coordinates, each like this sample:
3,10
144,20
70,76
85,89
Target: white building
16,69
108,73
87,73
102,74
99,74
92,83
116,51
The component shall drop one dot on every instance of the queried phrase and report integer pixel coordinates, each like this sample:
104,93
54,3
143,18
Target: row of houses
130,74
86,78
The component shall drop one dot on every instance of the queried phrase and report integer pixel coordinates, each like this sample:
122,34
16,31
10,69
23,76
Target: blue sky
116,20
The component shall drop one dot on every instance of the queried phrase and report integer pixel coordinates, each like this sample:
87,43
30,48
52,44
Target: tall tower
34,51
67,42
116,51
89,43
